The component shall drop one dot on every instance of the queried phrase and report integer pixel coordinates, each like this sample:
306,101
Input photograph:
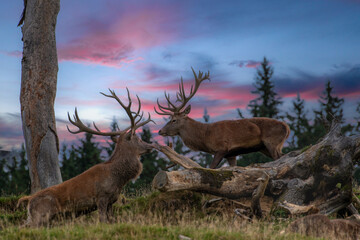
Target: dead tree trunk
319,177
38,90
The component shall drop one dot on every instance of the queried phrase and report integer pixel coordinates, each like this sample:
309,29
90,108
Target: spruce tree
87,154
265,105
80,158
299,124
268,101
330,106
330,109
19,179
4,178
23,172
69,166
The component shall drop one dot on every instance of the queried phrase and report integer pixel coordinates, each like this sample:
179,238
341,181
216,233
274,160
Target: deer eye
173,121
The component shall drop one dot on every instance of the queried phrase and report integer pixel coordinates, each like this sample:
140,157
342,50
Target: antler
181,95
83,128
135,118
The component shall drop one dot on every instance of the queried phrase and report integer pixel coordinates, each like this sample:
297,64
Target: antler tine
126,108
83,128
167,96
140,118
164,110
136,114
96,127
144,122
139,107
181,96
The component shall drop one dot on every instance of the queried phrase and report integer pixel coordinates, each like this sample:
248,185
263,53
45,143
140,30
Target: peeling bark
316,179
38,90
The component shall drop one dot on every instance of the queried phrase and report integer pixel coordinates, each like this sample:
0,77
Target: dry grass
153,216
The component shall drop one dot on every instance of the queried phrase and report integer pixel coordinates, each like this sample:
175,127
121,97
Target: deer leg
103,209
231,161
109,213
217,159
266,152
272,150
41,211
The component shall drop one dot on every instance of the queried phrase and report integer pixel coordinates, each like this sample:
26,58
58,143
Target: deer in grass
224,139
99,186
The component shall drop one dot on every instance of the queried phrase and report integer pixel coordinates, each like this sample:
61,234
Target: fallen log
319,176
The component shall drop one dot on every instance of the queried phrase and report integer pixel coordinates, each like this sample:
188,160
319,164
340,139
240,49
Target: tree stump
315,179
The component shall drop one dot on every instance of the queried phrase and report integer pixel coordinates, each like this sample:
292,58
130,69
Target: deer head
178,113
127,137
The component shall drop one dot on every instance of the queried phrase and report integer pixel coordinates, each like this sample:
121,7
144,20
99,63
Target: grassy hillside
152,216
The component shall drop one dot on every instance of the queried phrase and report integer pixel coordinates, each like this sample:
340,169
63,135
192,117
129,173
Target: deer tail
23,201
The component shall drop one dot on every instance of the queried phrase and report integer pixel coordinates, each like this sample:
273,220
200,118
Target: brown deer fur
98,187
229,138
318,225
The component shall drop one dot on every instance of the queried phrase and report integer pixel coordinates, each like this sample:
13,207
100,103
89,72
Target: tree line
306,129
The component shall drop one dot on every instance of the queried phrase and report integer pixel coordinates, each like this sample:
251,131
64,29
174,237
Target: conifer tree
80,158
23,172
330,109
299,124
19,178
330,106
265,105
268,101
4,178
69,167
88,153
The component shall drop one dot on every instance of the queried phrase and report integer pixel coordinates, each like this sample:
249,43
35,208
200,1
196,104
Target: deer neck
193,135
125,165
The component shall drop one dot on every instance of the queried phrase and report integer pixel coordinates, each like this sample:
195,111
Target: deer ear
187,110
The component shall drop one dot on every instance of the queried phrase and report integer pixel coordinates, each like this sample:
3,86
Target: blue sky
148,45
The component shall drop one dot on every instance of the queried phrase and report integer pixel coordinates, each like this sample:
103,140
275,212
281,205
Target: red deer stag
224,139
99,186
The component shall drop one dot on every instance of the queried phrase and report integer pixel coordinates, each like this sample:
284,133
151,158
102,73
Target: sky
148,46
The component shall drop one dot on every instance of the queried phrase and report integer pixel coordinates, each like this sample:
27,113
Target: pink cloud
246,63
115,43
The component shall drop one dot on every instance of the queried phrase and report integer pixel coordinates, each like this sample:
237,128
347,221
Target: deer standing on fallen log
99,186
224,139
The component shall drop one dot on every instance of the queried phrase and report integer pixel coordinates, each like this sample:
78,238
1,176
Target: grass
151,216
